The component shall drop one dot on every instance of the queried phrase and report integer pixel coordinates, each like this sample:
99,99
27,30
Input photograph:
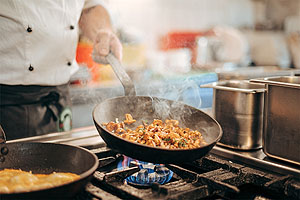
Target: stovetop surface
222,174
211,177
88,137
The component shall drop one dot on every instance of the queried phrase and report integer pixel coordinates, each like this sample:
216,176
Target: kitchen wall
148,20
156,17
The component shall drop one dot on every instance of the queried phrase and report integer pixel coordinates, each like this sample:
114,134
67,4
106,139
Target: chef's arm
96,25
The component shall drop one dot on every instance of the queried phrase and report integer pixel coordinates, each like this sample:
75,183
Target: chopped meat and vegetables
166,134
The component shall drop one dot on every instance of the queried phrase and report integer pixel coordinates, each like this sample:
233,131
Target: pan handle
2,136
122,75
119,70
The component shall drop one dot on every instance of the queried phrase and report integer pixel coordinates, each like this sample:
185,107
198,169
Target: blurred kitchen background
172,47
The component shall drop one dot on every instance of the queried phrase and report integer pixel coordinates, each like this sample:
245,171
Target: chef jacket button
69,63
29,29
30,68
72,27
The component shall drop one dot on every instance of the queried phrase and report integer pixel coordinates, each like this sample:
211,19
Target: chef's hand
106,41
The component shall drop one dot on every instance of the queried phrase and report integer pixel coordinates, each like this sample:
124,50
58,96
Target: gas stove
211,177
222,174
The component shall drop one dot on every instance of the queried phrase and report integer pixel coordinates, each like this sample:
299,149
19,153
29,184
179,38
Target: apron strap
51,101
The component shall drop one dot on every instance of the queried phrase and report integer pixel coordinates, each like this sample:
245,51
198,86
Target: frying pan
145,108
47,158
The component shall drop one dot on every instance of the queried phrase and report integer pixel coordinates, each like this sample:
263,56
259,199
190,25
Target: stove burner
149,173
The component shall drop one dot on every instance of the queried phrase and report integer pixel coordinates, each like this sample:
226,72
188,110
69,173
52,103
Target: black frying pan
149,108
46,158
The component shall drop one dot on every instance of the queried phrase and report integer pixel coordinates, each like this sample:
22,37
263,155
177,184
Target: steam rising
180,90
186,91
175,110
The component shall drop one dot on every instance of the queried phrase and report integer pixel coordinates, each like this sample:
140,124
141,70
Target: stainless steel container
238,107
281,132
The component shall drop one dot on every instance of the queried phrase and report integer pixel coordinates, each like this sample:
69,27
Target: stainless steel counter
85,137
257,158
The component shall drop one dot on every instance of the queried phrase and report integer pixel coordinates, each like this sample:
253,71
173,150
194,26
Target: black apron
27,111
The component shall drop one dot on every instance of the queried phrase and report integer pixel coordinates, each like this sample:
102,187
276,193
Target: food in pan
16,181
166,134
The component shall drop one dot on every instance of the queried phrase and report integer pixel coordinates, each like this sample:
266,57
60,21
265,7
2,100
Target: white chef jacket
38,40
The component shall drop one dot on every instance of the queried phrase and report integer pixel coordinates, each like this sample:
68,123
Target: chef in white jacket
38,41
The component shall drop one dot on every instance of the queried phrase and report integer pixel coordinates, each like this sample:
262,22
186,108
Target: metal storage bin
281,132
238,107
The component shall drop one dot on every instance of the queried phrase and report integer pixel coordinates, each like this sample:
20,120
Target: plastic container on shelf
182,39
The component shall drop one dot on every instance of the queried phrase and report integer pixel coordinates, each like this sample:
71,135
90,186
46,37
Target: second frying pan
46,158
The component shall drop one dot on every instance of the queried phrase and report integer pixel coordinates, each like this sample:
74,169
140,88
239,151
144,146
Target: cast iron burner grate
211,177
